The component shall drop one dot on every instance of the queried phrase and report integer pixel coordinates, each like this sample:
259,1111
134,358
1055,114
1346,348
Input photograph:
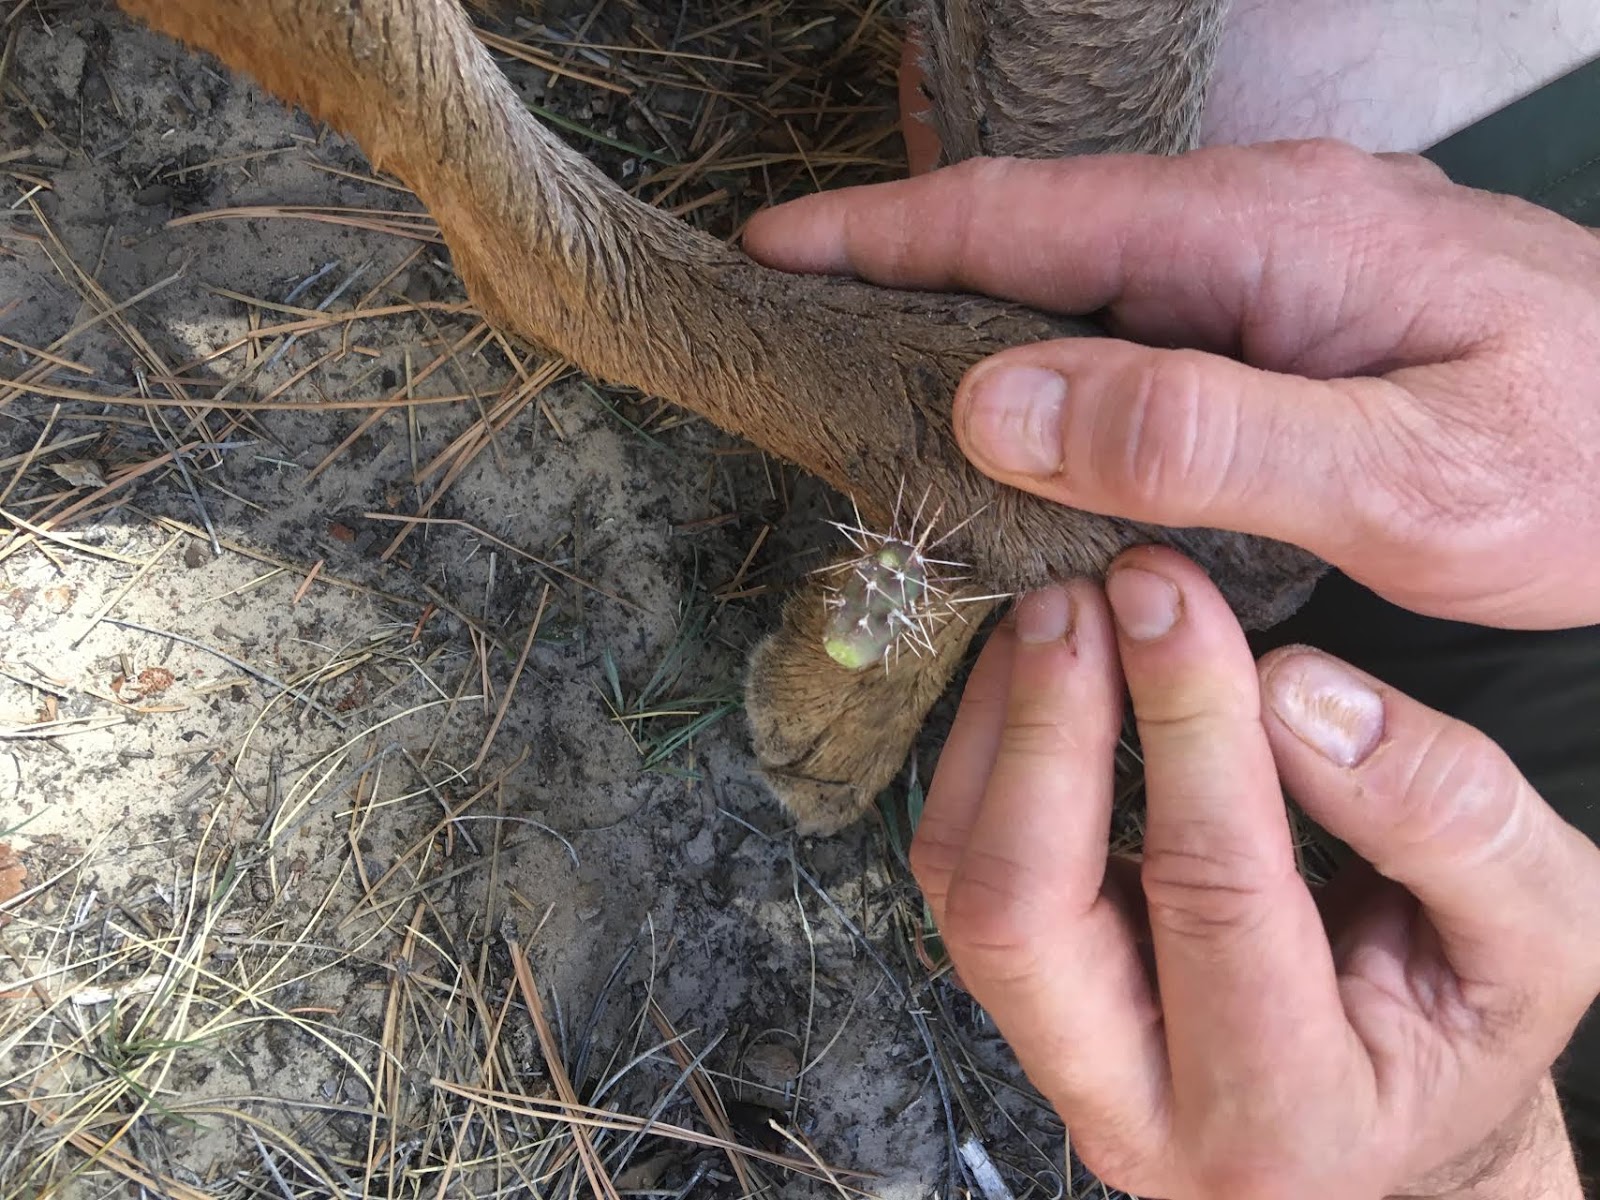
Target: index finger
1050,956
1191,249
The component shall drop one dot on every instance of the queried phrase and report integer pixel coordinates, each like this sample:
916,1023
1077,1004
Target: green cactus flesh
876,605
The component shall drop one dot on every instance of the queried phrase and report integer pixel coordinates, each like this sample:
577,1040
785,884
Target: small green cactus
879,602
892,593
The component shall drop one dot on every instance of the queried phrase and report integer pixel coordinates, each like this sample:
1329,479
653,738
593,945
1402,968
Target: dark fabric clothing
1544,148
1536,694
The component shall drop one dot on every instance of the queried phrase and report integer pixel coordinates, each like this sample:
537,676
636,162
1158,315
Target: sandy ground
316,810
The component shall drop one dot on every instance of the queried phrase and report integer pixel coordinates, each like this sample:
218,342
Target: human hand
1422,404
1202,1028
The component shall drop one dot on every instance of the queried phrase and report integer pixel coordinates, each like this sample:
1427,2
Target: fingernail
1144,604
1013,420
1326,707
1044,616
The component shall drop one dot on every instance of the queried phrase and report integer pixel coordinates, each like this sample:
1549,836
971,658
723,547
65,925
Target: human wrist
1528,1158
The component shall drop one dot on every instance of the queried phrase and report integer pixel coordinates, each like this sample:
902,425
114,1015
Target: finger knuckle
983,173
883,249
1036,740
1461,798
973,182
935,855
1157,434
1416,170
1205,893
1197,704
992,911
1323,160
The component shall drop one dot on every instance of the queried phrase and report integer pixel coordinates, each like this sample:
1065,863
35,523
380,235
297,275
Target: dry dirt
299,789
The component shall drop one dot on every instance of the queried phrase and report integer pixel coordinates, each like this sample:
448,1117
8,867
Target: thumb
1437,807
1180,438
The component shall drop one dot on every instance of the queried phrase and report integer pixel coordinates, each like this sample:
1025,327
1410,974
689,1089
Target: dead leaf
12,873
80,472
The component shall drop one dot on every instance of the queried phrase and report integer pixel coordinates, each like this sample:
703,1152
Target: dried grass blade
603,1186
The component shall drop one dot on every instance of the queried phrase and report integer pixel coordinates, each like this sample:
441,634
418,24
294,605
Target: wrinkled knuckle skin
985,173
1036,741
1202,896
934,858
991,914
1325,159
886,250
1189,710
1460,796
975,179
1154,433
